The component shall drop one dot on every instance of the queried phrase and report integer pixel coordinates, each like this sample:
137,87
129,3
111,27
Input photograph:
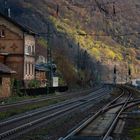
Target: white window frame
28,50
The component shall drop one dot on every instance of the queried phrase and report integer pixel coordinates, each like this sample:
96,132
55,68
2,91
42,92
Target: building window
33,69
2,33
29,69
33,49
26,68
28,50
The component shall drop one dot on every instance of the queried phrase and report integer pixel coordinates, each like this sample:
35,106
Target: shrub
109,53
16,86
34,84
42,42
96,53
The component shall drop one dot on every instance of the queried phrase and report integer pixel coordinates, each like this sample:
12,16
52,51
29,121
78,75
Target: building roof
5,69
41,67
44,67
22,27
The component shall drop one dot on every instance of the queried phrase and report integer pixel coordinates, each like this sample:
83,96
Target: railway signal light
114,9
129,72
57,10
115,70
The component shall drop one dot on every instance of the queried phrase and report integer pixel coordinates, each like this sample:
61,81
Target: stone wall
5,87
12,43
41,77
29,57
17,45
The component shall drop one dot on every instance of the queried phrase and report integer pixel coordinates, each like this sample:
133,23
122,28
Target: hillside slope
107,32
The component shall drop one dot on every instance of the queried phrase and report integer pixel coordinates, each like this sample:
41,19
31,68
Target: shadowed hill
103,29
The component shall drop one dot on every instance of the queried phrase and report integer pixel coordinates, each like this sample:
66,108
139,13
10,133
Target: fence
44,90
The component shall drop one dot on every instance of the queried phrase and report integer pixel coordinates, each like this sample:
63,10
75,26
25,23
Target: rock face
105,30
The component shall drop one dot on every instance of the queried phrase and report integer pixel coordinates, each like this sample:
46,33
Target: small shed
5,80
40,74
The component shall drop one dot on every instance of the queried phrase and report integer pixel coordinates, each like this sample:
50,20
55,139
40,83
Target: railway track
20,104
12,128
101,125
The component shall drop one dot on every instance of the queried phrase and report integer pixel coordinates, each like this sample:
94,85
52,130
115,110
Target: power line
87,5
87,34
101,6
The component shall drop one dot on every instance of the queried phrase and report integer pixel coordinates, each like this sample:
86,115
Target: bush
16,86
34,84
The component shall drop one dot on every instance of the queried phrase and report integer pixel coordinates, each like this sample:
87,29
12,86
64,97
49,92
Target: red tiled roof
5,69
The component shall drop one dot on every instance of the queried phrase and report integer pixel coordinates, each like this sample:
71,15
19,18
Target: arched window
26,68
29,49
33,69
2,33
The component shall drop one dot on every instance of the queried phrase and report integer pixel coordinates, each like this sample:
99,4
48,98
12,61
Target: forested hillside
102,32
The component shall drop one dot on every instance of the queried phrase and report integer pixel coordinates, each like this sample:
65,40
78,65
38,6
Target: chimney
9,12
5,7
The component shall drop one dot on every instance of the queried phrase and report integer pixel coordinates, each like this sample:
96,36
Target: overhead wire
100,6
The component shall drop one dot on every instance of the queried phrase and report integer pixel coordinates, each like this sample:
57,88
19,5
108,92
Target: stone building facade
17,48
6,75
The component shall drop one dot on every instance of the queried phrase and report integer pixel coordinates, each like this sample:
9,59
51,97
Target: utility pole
129,73
78,57
129,61
115,75
49,56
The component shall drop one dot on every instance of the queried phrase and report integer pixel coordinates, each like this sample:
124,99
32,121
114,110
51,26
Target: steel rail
116,118
65,103
137,101
112,102
30,101
83,125
30,124
130,106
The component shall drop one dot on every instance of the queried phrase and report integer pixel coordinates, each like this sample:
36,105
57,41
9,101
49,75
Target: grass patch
12,112
135,134
137,137
134,130
14,99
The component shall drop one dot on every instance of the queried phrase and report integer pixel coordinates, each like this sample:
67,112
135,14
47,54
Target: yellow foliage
109,53
100,50
81,32
119,57
42,42
96,53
